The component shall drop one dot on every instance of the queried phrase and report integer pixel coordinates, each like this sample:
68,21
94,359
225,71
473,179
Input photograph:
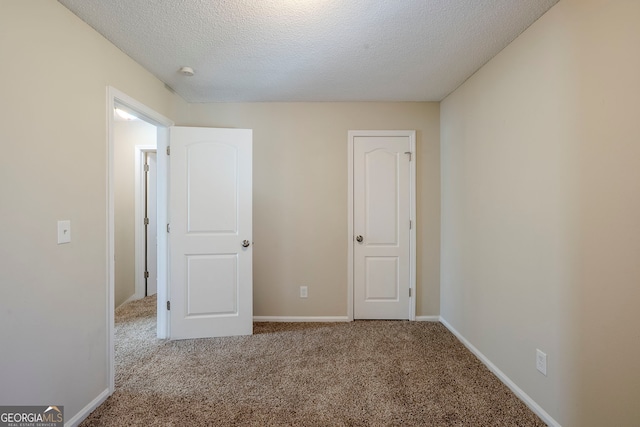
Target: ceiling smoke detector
187,71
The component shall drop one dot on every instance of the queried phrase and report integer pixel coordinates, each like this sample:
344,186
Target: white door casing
152,226
116,98
382,235
210,211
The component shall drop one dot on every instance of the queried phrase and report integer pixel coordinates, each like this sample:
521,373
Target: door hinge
168,150
168,228
146,274
146,221
410,154
168,305
410,224
146,168
409,292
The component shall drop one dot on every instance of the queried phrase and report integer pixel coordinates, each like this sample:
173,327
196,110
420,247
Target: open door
210,232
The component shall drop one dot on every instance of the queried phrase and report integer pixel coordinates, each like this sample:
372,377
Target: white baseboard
84,412
504,378
131,298
427,318
300,319
326,318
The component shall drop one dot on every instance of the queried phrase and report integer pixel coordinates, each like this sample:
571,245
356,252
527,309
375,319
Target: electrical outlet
541,362
304,292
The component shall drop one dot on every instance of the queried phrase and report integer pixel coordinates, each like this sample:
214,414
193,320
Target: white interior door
152,227
381,225
210,214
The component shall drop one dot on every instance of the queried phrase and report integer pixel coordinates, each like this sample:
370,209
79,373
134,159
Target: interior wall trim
300,318
504,378
87,410
427,318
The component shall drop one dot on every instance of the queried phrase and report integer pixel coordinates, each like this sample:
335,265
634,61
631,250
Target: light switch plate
64,231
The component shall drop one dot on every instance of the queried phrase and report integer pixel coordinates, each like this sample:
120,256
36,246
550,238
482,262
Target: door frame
140,154
120,99
411,134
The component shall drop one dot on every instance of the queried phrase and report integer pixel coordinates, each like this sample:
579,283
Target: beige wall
300,197
53,80
127,134
540,211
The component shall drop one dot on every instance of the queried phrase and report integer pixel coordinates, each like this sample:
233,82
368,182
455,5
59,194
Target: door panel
381,216
210,216
212,285
382,279
212,188
381,197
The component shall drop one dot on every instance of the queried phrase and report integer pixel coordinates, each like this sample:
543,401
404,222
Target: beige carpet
364,373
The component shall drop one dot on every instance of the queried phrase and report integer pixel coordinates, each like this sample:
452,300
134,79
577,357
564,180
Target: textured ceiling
311,50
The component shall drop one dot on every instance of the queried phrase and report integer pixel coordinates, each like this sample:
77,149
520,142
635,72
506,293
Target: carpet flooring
363,373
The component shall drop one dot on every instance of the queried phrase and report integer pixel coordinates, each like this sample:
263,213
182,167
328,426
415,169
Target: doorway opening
146,224
155,126
134,141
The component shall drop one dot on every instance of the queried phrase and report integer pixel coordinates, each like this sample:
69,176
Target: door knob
245,243
359,239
